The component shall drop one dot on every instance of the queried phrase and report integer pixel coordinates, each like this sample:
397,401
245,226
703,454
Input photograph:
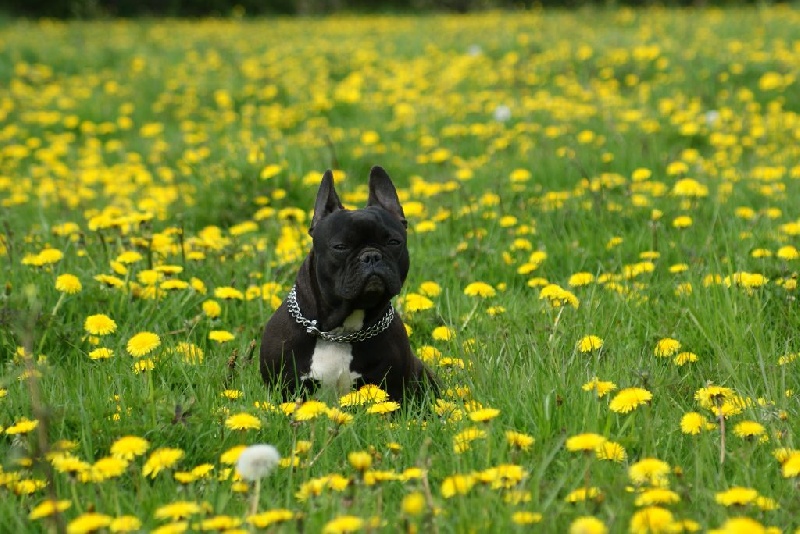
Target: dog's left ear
382,193
327,200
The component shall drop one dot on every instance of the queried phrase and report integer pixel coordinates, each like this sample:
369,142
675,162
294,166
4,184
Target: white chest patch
330,363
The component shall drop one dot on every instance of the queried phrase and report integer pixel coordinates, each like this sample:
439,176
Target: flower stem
555,324
470,315
255,497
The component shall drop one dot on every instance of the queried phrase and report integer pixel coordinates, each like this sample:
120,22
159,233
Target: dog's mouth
374,284
373,292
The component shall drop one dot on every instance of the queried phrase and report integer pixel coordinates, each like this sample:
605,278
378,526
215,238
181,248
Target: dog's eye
394,242
339,246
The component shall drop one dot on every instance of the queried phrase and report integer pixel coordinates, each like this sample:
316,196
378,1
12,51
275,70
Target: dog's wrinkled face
365,256
361,255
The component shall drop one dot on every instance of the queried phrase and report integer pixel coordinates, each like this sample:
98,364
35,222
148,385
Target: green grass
594,96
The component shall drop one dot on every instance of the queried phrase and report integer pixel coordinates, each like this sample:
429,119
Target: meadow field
604,223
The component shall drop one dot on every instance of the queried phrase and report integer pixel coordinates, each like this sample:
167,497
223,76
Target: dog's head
361,257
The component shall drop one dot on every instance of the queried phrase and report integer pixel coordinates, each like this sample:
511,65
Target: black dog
337,328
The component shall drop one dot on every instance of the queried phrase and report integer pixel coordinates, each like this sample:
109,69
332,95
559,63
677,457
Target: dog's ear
382,193
327,200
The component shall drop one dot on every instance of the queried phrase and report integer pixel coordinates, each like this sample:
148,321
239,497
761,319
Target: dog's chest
330,362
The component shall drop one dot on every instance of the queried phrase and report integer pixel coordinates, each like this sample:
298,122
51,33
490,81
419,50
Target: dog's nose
370,257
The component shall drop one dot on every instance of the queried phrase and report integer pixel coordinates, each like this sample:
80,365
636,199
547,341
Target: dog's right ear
327,200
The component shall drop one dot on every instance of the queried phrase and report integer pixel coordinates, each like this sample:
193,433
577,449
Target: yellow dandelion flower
584,442
88,522
788,252
430,289
413,302
220,336
369,393
767,504
580,279
629,399
101,353
125,523
791,467
128,257
266,519
198,285
443,333
737,496
782,454
161,459
360,460
105,468
610,450
228,293
520,175
243,421
557,296
712,397
190,353
99,325
144,365
343,524
67,463
383,407
602,388
683,358
584,494
457,485
505,476
339,417
413,503
310,410
741,525
316,486
689,187
143,343
69,284
589,343
212,309
178,510
683,289
374,477
109,281
667,347
587,525
694,423
526,518
479,289
652,520
519,440
220,523
48,508
231,456
749,429
653,496
462,440
22,426
650,471
483,415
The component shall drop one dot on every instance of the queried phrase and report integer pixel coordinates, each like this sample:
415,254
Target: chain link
311,324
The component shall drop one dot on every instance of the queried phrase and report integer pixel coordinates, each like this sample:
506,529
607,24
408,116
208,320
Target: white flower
502,113
256,461
474,50
712,117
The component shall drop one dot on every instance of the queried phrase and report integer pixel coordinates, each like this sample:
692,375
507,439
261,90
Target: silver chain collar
353,337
